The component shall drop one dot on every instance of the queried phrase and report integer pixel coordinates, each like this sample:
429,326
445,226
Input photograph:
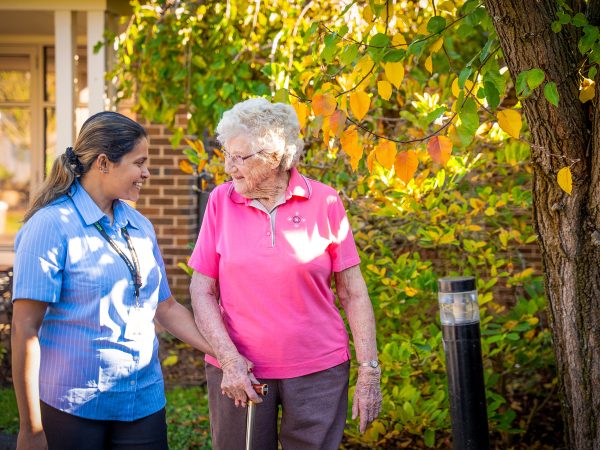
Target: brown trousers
313,412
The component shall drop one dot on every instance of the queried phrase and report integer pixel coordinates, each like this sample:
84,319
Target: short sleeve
342,248
205,258
40,254
164,292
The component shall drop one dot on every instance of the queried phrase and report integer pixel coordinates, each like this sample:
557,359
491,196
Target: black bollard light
459,314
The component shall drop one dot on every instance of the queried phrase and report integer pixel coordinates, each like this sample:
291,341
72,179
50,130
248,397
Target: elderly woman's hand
238,379
367,396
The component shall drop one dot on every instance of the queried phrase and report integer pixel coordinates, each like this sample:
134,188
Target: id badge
136,322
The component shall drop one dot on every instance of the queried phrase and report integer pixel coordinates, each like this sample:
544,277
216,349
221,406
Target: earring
104,170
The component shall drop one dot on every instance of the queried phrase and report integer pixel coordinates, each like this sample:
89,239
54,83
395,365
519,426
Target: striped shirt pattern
88,367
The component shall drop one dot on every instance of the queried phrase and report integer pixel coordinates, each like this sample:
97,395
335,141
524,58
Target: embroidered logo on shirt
296,219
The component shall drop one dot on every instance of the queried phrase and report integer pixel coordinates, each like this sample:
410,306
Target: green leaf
589,38
579,20
556,26
563,18
436,24
464,74
486,49
592,72
349,54
379,40
394,55
551,93
535,77
435,114
429,437
491,94
521,85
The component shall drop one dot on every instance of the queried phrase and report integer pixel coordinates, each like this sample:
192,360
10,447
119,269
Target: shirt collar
91,213
298,186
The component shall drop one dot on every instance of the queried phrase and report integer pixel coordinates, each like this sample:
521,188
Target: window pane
50,138
15,78
15,166
49,75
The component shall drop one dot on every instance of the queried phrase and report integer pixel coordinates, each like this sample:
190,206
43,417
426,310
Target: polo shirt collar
298,186
91,213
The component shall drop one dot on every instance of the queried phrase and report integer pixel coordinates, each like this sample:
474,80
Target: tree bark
568,226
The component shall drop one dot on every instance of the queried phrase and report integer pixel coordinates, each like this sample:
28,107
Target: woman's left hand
367,396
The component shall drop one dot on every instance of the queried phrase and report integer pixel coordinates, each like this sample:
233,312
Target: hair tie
74,162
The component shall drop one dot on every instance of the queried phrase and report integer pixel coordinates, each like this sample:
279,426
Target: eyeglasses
237,159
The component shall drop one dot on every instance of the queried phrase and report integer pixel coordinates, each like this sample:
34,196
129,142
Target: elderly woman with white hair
270,242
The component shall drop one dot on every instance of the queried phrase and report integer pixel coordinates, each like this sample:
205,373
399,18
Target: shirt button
268,233
132,382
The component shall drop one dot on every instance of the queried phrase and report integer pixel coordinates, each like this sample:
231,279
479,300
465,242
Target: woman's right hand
30,440
238,379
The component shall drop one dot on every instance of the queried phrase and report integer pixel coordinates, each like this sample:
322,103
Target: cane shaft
250,424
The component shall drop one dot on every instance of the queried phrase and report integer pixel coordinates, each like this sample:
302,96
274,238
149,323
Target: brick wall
169,201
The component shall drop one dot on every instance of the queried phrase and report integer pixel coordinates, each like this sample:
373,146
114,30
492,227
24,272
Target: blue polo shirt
88,367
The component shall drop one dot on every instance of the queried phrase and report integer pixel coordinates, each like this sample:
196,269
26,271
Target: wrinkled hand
28,440
238,379
367,396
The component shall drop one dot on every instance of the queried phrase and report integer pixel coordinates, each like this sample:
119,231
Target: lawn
187,417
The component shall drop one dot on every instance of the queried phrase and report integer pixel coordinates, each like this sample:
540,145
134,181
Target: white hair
271,127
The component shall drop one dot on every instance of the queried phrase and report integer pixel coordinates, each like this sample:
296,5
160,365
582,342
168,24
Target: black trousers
68,432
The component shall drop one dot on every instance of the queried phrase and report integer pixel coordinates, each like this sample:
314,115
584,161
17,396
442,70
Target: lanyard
134,268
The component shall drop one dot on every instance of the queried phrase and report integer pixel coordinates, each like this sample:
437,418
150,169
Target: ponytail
57,183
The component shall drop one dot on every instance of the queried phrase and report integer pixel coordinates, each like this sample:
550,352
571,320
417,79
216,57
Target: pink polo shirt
274,275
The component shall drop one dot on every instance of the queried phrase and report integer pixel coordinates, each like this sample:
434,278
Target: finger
354,408
363,422
253,379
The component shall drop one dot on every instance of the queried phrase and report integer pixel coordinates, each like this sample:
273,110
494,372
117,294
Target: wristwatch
373,364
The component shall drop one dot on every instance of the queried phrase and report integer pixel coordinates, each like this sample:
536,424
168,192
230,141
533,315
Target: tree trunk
568,226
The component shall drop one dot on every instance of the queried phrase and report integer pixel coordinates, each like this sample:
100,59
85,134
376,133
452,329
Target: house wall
169,201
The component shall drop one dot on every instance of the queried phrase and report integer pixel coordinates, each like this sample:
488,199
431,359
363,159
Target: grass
187,417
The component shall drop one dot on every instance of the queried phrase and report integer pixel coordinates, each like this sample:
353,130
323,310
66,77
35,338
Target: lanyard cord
134,268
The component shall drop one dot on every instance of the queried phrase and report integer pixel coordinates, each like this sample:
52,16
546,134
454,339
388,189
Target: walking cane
261,389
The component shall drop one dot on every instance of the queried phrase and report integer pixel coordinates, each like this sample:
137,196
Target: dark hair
106,132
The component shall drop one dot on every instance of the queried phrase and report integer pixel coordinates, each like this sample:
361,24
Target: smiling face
252,178
125,178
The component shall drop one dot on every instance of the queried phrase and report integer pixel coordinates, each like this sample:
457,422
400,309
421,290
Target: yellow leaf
440,148
326,129
398,40
186,167
301,112
529,335
587,93
510,121
489,211
394,72
359,104
429,64
197,145
384,88
437,45
406,165
337,121
350,145
364,66
323,104
385,152
410,291
565,180
456,89
169,361
367,14
370,159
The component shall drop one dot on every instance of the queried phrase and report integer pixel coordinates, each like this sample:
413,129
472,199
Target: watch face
374,364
